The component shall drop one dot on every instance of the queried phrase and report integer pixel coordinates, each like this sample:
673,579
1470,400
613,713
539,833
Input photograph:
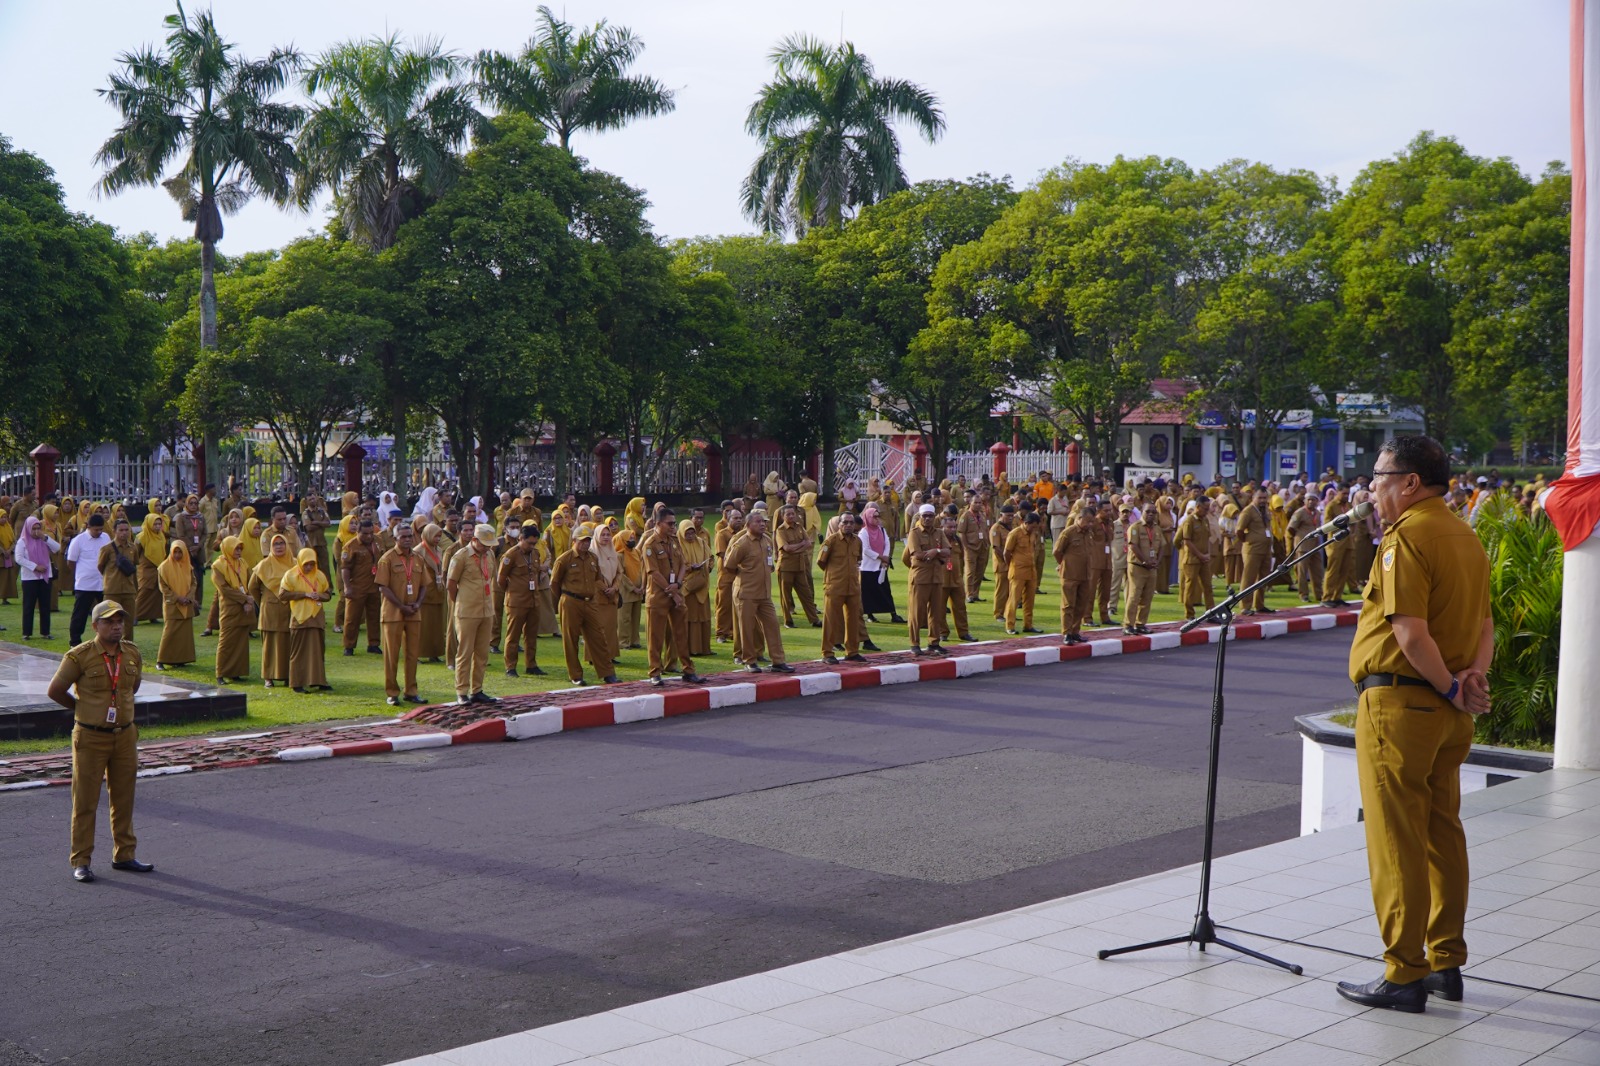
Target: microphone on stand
1339,527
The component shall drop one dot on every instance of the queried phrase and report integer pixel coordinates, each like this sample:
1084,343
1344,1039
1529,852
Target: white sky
1024,83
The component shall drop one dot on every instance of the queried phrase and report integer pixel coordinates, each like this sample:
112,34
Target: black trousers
82,603
35,594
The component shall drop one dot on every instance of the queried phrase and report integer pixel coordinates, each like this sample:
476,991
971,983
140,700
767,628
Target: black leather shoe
483,697
82,874
536,671
781,668
511,673
413,699
1411,998
610,679
856,658
494,649
464,701
867,645
1032,629
916,649
656,682
692,678
831,660
752,668
1446,984
134,866
349,651
968,638
393,701
374,649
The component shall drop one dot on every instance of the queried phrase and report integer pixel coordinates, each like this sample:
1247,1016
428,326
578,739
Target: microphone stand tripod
1205,930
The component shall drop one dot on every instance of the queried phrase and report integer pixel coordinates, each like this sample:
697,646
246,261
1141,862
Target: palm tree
384,133
572,82
829,146
199,96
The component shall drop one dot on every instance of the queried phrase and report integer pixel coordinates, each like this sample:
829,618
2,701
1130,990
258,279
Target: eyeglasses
1376,474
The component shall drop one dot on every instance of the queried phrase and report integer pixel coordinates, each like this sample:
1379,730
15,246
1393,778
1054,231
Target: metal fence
873,457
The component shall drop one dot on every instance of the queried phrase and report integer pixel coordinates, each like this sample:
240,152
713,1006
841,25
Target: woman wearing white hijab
386,507
426,502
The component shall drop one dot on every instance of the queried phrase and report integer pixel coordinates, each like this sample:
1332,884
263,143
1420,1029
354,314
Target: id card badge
1108,549
111,714
533,586
409,592
672,579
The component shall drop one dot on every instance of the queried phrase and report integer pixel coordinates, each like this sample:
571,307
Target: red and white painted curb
588,714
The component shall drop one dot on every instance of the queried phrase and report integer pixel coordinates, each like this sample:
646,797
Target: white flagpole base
1578,676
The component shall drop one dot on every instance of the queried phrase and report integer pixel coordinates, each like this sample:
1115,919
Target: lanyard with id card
114,670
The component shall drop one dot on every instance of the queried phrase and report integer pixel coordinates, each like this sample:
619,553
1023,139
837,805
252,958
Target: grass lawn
358,681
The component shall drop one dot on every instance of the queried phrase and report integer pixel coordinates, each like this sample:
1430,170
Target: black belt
575,596
102,728
1389,681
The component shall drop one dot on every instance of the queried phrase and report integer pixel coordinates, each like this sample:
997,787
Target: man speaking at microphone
1419,661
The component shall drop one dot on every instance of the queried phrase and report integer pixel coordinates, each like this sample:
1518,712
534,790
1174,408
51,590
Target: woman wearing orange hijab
175,577
237,614
305,589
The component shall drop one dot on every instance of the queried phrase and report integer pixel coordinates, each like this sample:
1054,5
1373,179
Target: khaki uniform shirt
840,559
924,571
362,563
1192,540
1073,551
1019,550
664,566
85,667
1431,565
749,561
191,529
972,530
1253,533
576,573
407,586
997,540
1144,544
519,577
792,562
267,533
1099,546
473,570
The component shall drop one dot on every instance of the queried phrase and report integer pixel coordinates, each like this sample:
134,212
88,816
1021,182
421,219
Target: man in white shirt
88,586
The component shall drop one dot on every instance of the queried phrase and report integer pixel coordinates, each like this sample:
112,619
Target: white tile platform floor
1024,988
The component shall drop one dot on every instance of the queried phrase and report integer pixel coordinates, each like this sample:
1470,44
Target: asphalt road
367,910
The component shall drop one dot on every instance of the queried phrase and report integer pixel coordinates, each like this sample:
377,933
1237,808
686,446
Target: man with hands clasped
1419,661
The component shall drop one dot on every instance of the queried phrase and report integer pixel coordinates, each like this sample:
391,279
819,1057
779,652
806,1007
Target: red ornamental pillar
999,449
44,470
353,453
919,455
1074,458
814,466
606,452
1016,433
713,470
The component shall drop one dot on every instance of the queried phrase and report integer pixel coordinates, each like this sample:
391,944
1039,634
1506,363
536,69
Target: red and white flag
1573,502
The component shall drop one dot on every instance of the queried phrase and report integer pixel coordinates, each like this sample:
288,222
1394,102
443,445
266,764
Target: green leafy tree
1079,284
1395,236
501,283
938,375
76,335
828,144
1510,338
385,133
300,354
573,80
200,101
1262,301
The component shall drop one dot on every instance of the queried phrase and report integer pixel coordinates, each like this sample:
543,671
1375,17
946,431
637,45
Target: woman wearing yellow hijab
631,587
251,541
813,517
696,585
559,534
1278,515
263,585
232,526
237,614
153,543
431,645
8,562
50,520
633,518
175,576
1232,548
305,588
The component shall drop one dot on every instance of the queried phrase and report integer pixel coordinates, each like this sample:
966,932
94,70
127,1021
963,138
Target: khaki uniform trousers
922,612
1119,572
797,583
579,619
1002,592
522,622
725,626
451,642
407,632
1021,597
472,653
499,615
953,599
1100,581
1077,603
1410,744
977,560
1141,593
758,621
841,623
368,608
668,633
1309,572
1254,565
1337,574
112,758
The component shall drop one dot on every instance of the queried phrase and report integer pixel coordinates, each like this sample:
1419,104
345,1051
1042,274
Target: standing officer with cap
1254,534
668,611
926,553
471,590
575,582
106,672
1419,660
